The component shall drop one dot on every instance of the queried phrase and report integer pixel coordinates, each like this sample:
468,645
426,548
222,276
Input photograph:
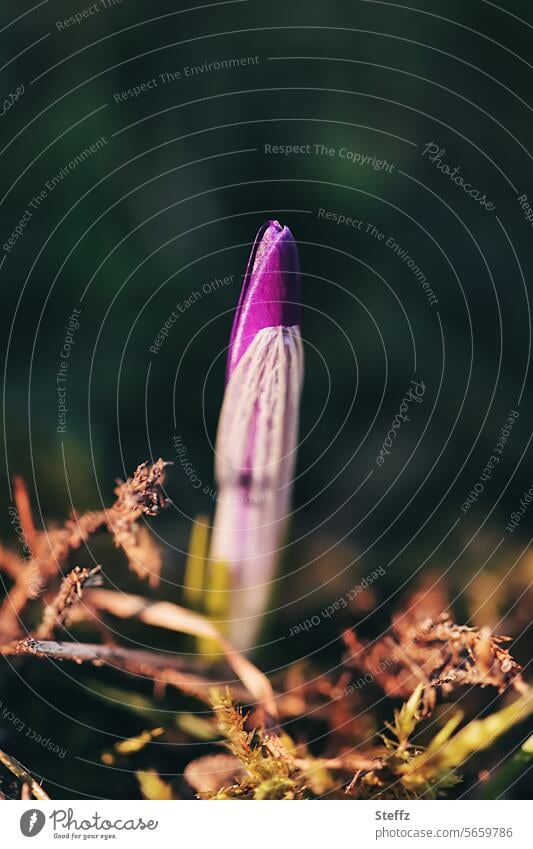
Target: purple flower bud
270,296
258,428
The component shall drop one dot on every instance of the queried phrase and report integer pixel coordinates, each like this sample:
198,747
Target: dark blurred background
168,203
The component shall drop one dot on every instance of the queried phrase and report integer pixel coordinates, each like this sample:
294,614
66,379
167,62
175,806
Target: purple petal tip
270,296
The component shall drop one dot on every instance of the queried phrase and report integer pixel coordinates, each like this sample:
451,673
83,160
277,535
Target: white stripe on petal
255,459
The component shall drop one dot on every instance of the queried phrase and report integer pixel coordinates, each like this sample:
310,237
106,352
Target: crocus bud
258,428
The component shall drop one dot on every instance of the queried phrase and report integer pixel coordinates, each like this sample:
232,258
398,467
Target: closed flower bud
258,429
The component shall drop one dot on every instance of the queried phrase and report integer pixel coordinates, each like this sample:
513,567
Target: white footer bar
262,825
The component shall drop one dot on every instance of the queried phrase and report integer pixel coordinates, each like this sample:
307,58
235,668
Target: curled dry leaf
164,614
213,772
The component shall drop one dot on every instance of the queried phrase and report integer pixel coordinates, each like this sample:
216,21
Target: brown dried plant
433,651
140,495
423,655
